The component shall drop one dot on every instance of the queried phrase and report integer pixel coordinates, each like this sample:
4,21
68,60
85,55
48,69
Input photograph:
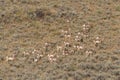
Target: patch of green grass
118,8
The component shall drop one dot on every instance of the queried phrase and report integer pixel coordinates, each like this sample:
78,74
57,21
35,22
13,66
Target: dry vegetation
59,40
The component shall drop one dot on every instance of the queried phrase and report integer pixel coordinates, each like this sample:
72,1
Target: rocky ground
59,40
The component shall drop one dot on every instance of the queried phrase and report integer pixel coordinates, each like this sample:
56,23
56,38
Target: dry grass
59,40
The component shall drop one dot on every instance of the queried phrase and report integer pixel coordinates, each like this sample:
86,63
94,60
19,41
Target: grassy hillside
59,39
